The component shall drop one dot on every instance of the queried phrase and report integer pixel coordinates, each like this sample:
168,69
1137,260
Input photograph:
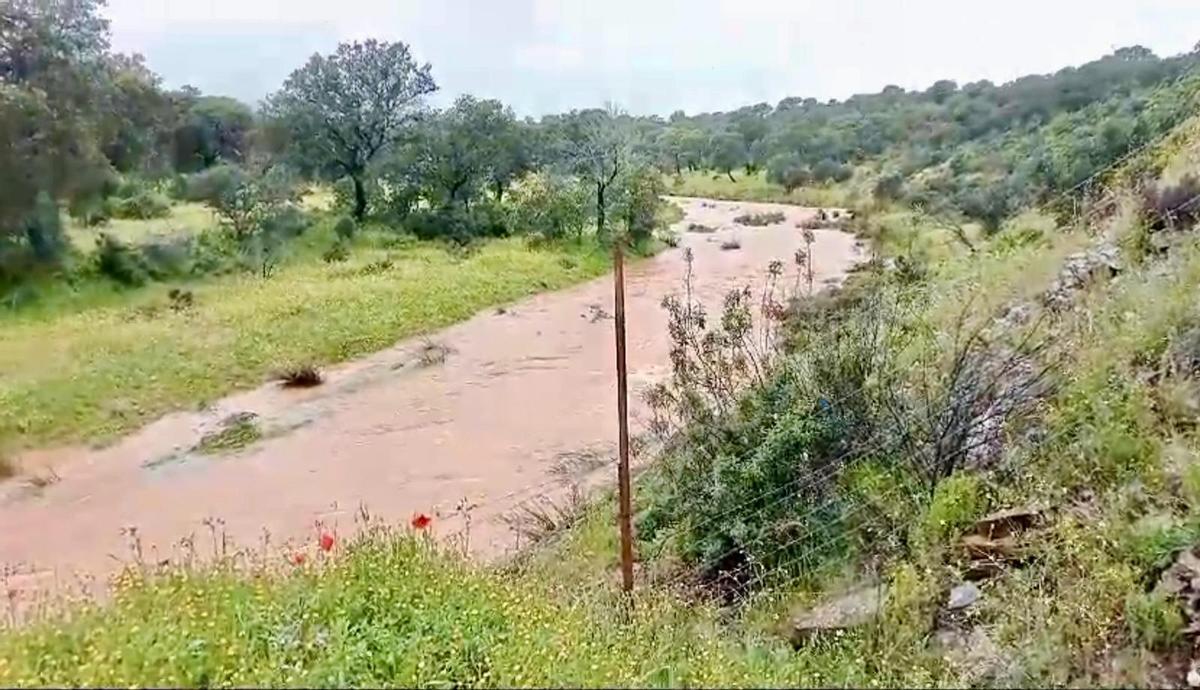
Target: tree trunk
730,174
678,168
599,211
499,190
360,198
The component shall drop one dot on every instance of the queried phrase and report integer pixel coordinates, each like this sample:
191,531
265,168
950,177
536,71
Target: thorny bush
776,463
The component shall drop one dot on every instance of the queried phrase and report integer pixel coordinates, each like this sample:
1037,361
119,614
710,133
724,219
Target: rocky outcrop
853,609
1078,271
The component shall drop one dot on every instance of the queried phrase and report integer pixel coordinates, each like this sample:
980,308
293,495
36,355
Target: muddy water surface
524,396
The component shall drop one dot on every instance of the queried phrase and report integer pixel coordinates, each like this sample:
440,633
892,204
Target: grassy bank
391,611
755,187
88,367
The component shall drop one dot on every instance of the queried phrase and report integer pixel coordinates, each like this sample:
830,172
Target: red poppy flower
326,541
421,521
298,558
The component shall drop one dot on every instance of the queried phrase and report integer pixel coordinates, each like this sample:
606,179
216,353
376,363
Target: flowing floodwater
525,396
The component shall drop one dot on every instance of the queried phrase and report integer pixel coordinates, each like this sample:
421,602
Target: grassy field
186,218
99,365
715,185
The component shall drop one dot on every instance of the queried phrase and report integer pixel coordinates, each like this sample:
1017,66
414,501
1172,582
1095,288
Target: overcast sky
648,56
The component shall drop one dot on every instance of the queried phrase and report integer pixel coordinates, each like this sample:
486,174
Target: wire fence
829,523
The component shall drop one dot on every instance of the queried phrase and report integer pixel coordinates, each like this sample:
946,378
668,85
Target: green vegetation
208,245
729,515
234,435
183,220
753,187
760,219
394,611
861,439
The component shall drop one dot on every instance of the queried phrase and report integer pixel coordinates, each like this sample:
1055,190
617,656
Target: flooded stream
525,395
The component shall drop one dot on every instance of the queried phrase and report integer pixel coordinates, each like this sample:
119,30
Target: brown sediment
520,391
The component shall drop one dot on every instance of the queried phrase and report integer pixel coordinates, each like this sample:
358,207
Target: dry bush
431,353
760,219
542,517
1175,207
300,376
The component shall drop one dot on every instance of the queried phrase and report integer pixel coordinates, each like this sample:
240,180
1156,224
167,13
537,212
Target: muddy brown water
525,397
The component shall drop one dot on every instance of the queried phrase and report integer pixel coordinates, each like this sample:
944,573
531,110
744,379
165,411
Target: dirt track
525,395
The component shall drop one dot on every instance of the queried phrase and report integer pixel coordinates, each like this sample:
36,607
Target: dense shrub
142,204
1175,206
760,219
458,224
829,170
120,262
90,210
338,252
286,221
168,257
889,186
789,172
638,202
211,184
44,231
549,206
345,227
754,466
213,252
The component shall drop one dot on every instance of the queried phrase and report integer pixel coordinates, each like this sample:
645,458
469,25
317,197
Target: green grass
91,370
185,219
715,185
237,435
393,611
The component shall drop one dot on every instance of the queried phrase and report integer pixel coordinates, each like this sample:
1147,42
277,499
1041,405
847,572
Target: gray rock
855,608
1080,269
974,656
962,596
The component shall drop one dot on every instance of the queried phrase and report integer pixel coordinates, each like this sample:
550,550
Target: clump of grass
237,432
701,228
181,299
41,480
304,375
731,244
432,353
376,267
542,517
760,219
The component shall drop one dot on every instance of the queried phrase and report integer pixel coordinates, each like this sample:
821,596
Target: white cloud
545,55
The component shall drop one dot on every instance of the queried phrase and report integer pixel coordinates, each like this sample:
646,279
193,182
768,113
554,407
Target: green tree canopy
344,109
